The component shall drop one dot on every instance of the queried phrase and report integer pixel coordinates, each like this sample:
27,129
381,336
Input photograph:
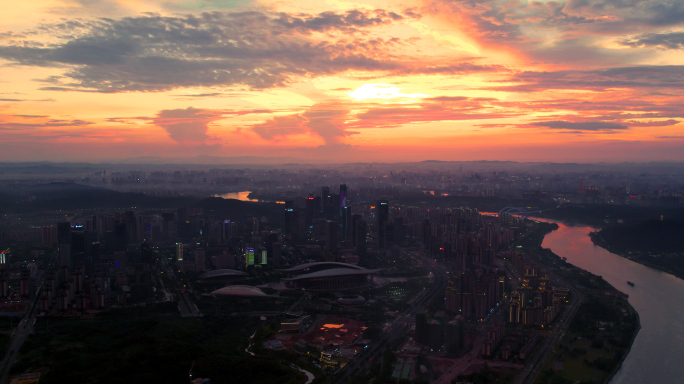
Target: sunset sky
342,81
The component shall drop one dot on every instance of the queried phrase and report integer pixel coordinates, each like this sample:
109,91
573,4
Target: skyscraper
64,243
179,251
382,216
343,198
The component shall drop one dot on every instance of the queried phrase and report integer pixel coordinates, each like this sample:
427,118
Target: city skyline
334,81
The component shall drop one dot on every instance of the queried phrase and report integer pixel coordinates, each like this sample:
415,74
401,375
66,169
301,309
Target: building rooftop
222,273
333,272
240,290
331,264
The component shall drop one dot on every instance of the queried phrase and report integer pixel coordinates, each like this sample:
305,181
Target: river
242,196
657,355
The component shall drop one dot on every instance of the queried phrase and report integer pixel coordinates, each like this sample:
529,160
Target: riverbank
656,352
671,263
601,334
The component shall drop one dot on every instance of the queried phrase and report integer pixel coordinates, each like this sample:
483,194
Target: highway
186,305
18,337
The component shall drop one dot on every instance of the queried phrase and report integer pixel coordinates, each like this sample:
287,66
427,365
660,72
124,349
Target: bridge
524,211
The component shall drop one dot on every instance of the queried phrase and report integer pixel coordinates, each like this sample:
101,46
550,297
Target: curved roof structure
222,273
240,290
333,272
331,264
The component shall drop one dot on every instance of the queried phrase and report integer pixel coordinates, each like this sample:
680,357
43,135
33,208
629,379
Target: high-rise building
325,201
453,341
277,254
199,260
49,236
64,233
249,256
289,209
435,334
179,251
383,216
310,210
343,198
359,232
346,223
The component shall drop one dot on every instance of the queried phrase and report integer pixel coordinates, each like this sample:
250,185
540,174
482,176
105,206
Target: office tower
325,201
310,210
383,216
179,251
346,223
289,209
331,229
343,198
249,256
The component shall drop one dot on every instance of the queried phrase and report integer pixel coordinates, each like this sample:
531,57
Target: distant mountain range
28,169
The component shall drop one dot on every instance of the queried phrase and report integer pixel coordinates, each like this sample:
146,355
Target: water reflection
242,196
658,297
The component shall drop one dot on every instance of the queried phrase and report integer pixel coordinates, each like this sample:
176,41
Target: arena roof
333,272
302,267
240,290
222,273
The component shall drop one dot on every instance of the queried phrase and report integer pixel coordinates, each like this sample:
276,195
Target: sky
334,81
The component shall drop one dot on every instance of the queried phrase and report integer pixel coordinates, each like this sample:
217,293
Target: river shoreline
599,241
624,302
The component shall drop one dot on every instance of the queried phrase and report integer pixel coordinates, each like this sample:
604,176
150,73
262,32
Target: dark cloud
459,68
580,126
187,126
154,53
658,77
657,40
665,123
37,121
571,31
351,21
626,12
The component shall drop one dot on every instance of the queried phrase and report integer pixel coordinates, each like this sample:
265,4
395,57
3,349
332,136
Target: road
186,305
529,374
18,337
396,331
